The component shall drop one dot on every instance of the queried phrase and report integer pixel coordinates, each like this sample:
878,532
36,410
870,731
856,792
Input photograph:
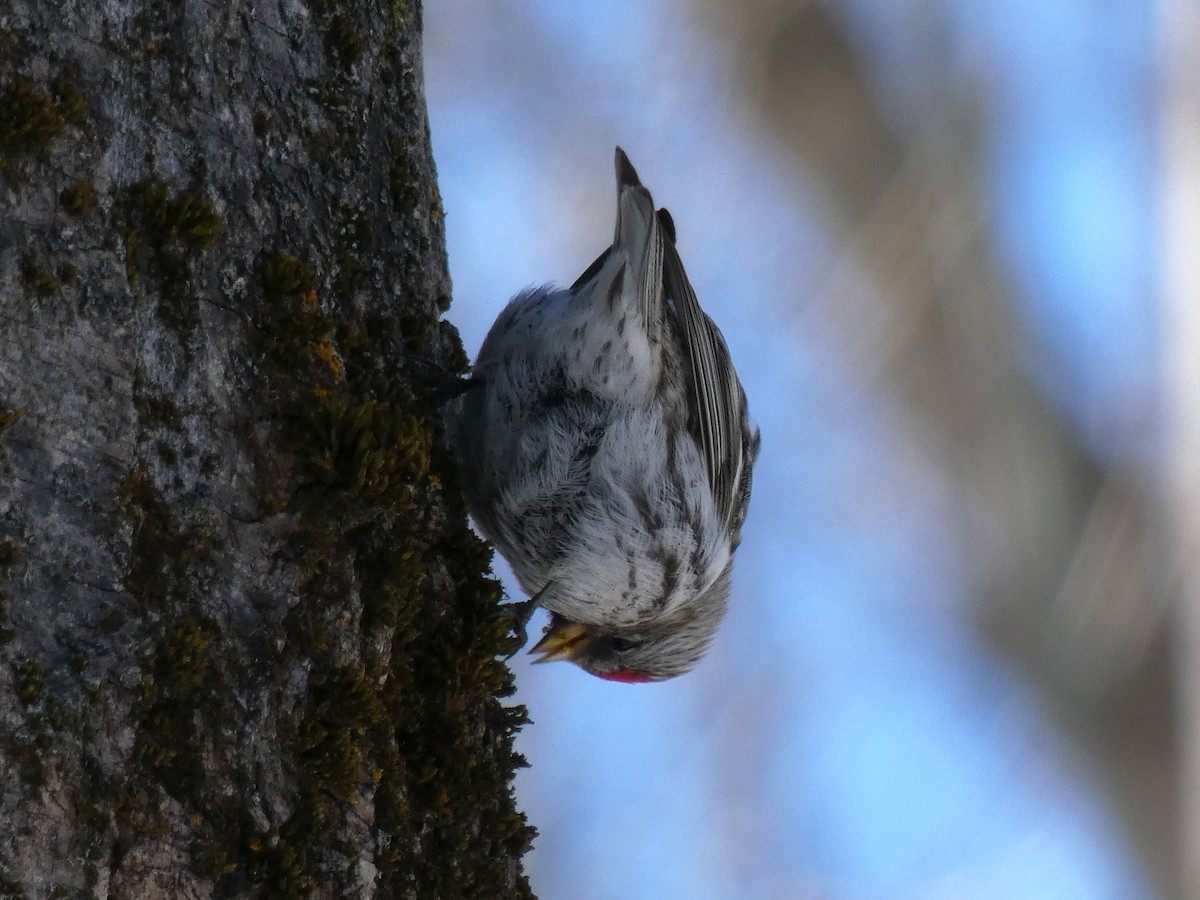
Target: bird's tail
639,241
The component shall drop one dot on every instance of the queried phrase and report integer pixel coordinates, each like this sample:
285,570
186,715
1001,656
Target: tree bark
247,641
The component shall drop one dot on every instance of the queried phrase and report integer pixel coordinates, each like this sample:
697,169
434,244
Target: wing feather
716,401
668,308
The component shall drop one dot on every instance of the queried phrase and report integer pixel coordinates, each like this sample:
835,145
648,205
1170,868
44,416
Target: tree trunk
248,642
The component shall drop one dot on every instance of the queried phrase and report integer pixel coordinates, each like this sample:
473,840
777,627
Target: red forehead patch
628,676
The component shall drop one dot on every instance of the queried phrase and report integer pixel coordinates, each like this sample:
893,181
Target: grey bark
247,642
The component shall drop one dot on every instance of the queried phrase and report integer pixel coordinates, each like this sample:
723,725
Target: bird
606,451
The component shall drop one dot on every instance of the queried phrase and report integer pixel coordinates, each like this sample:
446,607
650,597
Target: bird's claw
443,384
518,615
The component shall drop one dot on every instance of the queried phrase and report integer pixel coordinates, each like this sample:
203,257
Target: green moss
292,328
436,211
32,119
416,724
7,634
9,418
172,685
157,410
9,554
181,660
350,275
405,188
391,589
167,557
283,275
213,857
30,683
29,119
37,277
156,541
365,447
190,220
41,280
344,708
283,870
401,14
79,199
344,44
166,453
29,752
416,326
165,234
326,146
158,48
132,244
162,548
68,99
183,688
264,124
353,256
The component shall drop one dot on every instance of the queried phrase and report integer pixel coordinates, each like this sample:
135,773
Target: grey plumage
607,451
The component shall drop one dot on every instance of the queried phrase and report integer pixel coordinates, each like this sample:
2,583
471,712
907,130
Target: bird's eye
621,644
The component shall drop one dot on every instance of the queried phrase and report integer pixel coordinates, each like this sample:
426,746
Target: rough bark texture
248,641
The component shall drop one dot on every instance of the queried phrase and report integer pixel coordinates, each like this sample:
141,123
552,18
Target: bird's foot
517,614
443,384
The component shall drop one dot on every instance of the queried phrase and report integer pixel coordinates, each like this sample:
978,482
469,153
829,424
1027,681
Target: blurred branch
1064,552
1179,28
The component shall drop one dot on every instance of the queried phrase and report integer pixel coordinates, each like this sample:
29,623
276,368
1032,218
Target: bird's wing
716,402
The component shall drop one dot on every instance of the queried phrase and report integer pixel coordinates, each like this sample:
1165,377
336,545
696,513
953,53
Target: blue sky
848,736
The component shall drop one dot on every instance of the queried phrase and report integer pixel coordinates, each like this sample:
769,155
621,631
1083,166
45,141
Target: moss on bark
250,643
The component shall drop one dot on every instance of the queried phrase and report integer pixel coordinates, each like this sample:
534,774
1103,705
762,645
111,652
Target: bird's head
628,655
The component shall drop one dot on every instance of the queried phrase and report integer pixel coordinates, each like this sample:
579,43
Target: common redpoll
607,452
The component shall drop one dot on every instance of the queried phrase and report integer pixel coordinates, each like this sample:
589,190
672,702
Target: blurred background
951,246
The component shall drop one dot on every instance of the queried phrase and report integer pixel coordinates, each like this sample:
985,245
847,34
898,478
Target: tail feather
626,173
639,239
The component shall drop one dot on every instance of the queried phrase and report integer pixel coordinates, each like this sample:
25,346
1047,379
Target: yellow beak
562,640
